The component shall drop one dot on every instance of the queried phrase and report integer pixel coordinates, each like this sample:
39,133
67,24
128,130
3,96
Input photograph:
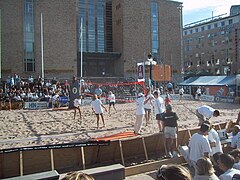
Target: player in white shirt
139,113
205,113
97,108
148,105
77,103
112,101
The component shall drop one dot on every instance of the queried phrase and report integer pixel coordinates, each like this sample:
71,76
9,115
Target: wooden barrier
125,151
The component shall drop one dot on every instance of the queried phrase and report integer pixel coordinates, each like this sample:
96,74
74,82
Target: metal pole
42,45
81,73
81,28
181,39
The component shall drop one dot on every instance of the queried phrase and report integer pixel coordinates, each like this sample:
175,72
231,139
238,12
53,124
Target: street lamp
150,62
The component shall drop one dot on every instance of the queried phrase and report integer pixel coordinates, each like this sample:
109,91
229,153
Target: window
215,25
202,28
191,31
185,32
154,27
209,27
28,29
223,23
230,21
196,30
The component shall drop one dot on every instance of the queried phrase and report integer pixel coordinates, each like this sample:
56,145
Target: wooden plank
21,162
121,152
145,149
52,159
83,157
151,166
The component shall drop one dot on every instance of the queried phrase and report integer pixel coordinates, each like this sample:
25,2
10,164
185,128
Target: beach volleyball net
124,91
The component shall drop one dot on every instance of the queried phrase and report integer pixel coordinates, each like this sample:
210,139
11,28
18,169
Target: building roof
210,81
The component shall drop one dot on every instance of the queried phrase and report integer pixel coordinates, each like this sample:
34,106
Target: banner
162,73
36,105
140,72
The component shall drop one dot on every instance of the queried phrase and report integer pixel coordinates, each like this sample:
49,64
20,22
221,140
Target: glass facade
29,53
82,14
154,28
92,13
100,26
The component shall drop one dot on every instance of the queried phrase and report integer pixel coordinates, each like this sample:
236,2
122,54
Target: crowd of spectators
16,90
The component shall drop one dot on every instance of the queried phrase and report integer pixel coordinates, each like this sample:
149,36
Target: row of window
209,27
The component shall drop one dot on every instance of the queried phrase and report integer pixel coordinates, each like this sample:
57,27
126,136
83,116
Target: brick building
115,36
212,46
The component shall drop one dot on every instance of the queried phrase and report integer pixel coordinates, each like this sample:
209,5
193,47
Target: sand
40,127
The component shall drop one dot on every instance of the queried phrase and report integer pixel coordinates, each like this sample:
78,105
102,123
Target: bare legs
98,120
147,116
75,111
160,125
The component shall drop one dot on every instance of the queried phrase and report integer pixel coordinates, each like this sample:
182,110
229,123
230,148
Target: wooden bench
49,175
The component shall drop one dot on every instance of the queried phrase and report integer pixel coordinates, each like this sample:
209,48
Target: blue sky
195,10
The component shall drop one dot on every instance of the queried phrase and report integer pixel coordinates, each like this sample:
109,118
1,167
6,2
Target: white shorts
170,132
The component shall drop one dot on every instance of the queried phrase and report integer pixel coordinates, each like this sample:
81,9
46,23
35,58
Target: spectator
98,91
139,113
158,109
77,176
181,91
238,118
216,167
236,154
199,145
170,131
236,136
199,93
214,140
205,113
226,162
97,108
173,172
205,170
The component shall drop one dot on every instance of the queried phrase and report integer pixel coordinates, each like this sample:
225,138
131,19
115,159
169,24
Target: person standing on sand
158,109
112,100
170,119
77,103
148,105
181,91
139,113
205,113
97,108
199,93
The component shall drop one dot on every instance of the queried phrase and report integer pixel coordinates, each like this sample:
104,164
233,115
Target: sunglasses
162,172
